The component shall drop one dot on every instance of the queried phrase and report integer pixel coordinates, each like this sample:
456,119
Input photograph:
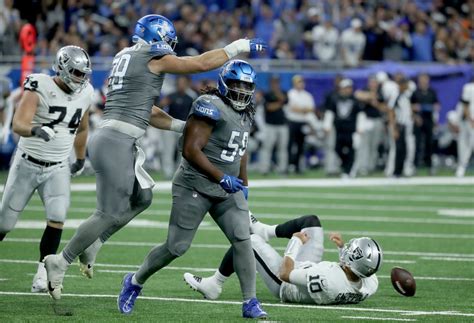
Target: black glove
43,132
77,167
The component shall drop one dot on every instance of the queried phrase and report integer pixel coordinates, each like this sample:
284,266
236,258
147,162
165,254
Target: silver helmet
363,256
73,66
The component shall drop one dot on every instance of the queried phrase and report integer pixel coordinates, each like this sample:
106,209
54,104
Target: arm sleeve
204,108
298,277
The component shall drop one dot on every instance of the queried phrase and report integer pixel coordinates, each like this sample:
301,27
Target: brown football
403,281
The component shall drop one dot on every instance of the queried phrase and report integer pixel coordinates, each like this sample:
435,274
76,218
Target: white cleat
40,284
55,275
206,286
87,259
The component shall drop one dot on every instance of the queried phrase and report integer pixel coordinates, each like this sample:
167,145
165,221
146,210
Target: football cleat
251,309
55,275
206,286
128,295
40,284
87,259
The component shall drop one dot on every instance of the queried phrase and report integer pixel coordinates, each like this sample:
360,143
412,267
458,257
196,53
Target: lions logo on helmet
237,83
154,28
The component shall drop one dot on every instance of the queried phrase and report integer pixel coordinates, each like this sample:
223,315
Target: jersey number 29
234,146
120,65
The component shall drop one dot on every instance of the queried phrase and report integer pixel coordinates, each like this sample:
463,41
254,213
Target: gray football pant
188,209
24,178
119,197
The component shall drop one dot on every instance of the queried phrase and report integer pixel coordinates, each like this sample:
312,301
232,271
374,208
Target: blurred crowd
343,31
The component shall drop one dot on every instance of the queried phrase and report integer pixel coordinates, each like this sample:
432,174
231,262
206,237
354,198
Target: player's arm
287,271
81,137
24,114
207,61
196,135
162,120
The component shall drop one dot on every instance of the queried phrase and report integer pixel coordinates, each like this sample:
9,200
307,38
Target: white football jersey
326,283
61,111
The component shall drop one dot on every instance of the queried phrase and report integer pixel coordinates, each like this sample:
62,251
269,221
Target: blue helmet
237,83
154,28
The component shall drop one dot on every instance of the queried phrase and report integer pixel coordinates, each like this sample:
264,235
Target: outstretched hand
336,237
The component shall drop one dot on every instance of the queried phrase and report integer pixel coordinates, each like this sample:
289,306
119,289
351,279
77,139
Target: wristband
293,248
177,125
237,47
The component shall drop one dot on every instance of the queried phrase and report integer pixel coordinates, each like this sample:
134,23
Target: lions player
51,118
300,276
123,187
209,179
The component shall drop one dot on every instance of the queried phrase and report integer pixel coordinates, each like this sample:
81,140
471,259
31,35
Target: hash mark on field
189,300
376,318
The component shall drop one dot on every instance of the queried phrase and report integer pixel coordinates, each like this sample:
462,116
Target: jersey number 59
229,155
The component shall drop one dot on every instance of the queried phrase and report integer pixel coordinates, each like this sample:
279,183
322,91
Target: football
403,281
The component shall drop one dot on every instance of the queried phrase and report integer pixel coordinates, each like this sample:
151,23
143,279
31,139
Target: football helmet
237,83
154,28
363,256
73,67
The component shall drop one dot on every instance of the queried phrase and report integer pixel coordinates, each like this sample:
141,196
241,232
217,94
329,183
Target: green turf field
408,221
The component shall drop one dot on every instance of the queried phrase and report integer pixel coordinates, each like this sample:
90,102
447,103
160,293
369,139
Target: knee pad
8,219
179,248
56,208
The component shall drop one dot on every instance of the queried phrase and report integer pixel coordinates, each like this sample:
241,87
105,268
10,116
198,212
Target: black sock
2,236
226,267
50,241
286,230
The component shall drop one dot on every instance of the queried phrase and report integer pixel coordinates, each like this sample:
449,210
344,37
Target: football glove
77,167
257,45
231,184
245,190
44,132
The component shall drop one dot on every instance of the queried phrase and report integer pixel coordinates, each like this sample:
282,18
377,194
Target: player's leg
282,148
111,153
55,194
139,201
267,149
20,185
231,215
187,211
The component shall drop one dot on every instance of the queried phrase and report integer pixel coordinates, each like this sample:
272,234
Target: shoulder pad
204,107
161,49
31,82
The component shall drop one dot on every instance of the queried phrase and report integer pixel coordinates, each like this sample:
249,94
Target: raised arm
162,120
207,61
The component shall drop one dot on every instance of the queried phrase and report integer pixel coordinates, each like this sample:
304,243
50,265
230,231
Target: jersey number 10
120,65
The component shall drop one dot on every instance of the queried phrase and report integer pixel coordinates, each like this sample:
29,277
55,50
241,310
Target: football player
212,177
466,128
51,118
123,187
300,276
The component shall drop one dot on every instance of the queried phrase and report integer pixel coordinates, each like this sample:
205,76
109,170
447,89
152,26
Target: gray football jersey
225,148
132,88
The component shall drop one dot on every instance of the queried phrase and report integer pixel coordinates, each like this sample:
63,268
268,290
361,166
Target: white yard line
376,318
210,226
187,300
322,182
201,269
447,259
226,246
468,213
290,215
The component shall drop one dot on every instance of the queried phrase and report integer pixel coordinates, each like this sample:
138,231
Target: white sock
265,231
134,281
218,278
